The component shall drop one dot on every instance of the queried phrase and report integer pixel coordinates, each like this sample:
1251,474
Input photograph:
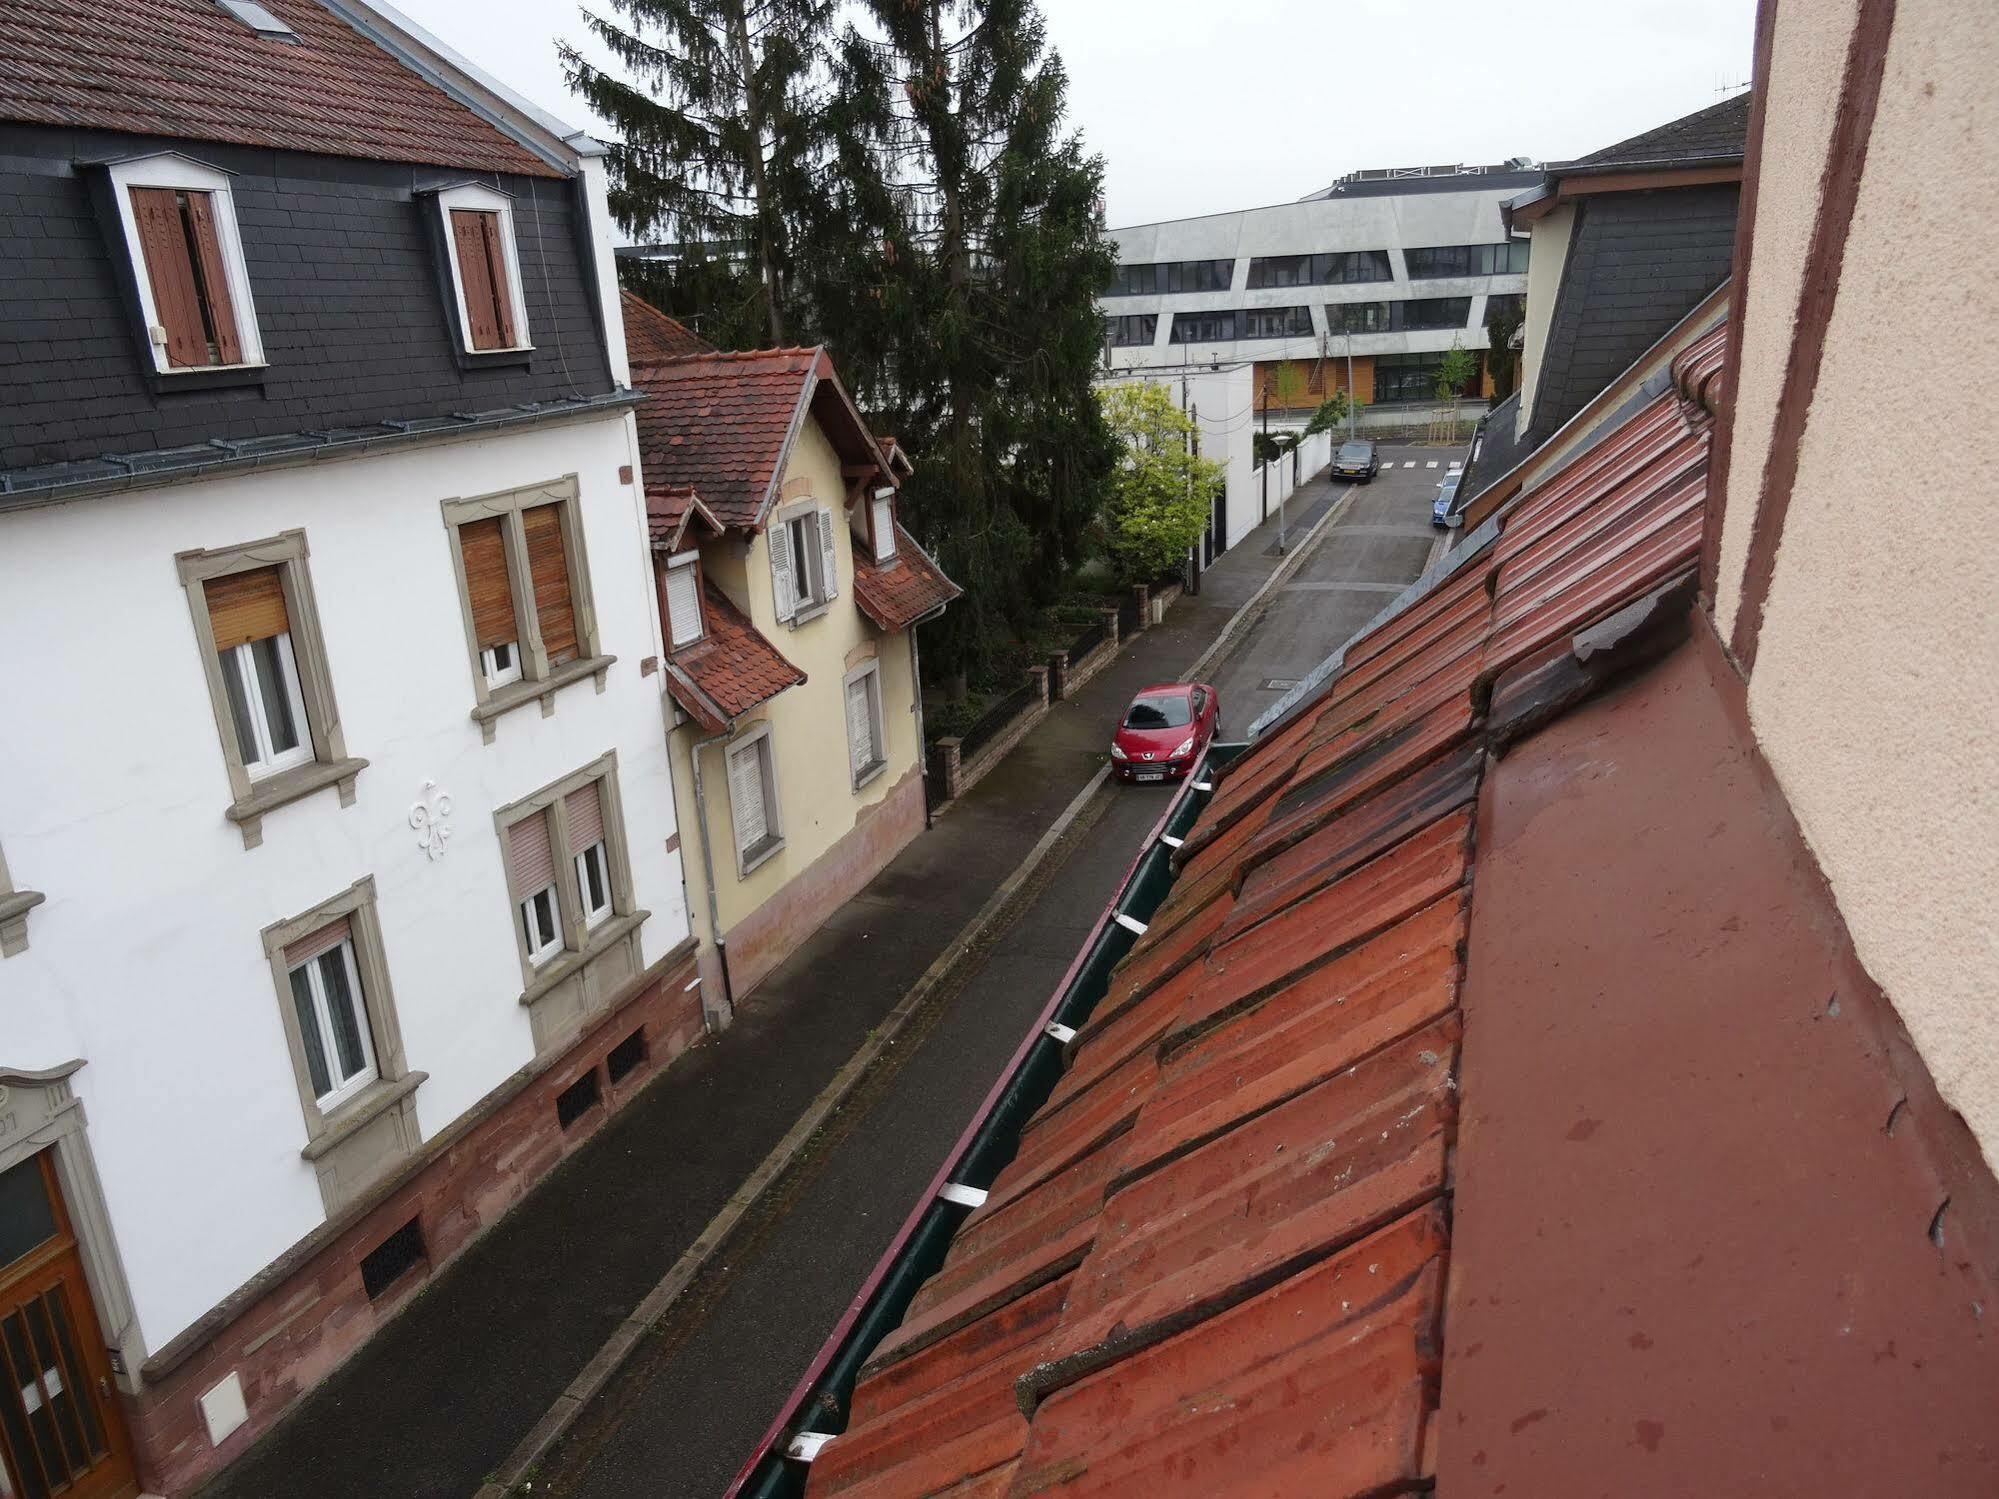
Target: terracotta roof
897,593
1718,134
729,670
725,422
188,69
1216,1264
651,336
670,510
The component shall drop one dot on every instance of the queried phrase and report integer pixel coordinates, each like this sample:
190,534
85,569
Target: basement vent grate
576,1100
391,1259
626,1055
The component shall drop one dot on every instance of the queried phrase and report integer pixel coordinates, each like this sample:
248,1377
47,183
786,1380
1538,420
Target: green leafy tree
1503,317
1332,411
1159,490
1454,373
957,249
718,119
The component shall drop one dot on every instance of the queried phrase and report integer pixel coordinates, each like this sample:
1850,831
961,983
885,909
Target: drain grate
1279,684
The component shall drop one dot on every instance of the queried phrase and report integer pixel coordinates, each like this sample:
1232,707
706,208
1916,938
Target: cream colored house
788,599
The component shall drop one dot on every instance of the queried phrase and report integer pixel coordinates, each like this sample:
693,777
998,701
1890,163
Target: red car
1165,731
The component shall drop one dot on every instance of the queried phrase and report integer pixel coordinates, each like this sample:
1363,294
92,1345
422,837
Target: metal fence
1092,637
1128,621
997,717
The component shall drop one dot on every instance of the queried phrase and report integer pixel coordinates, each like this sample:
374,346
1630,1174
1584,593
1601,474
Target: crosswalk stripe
1410,464
1431,464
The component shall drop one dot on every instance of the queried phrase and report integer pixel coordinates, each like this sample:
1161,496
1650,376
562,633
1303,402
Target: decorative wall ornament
431,817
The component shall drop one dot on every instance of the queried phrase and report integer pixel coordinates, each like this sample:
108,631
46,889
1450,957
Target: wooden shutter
214,279
548,567
313,944
534,860
784,593
482,544
469,242
170,270
746,796
829,572
246,606
496,275
585,809
860,726
683,604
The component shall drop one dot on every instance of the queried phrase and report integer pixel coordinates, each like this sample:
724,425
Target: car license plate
1150,775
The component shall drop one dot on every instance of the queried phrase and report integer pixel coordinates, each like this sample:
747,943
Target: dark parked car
1165,731
1356,460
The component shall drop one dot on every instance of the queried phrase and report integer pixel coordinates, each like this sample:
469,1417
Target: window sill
288,786
361,1111
748,859
206,377
504,700
868,772
496,359
601,939
14,908
809,613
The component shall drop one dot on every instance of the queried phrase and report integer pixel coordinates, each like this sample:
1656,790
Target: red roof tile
897,593
672,510
1236,1186
729,670
188,69
651,336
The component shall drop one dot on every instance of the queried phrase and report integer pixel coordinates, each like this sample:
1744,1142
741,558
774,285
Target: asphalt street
684,1413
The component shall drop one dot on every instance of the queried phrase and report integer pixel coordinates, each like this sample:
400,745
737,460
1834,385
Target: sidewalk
437,1402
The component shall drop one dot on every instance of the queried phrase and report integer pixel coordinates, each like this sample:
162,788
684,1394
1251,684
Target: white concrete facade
145,959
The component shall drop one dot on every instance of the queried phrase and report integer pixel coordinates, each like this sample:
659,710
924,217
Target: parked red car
1165,731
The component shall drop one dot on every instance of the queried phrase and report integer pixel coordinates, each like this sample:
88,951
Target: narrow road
684,1412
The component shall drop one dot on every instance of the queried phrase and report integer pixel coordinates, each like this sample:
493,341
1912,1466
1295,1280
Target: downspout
708,875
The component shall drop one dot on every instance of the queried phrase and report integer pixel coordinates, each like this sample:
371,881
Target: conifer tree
718,121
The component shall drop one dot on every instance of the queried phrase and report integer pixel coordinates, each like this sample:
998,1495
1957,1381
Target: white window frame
489,664
322,1008
538,955
882,508
756,741
476,199
808,564
243,661
600,853
870,672
677,567
182,174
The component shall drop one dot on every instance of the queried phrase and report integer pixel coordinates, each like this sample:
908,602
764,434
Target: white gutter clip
1131,923
806,1445
1204,785
1170,841
1063,1033
968,1197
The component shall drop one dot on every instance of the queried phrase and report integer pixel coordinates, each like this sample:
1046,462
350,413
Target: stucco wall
817,802
1544,275
147,959
1805,66
1874,692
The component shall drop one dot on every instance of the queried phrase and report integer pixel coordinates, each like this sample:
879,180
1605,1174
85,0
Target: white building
339,883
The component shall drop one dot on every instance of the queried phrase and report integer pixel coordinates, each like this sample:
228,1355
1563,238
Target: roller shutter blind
313,944
534,860
683,605
860,726
585,810
246,606
746,796
548,567
483,546
884,529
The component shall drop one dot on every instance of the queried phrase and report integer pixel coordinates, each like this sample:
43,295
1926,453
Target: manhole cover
1279,684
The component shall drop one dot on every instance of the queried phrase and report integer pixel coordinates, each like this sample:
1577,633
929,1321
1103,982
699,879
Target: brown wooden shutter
170,270
469,239
548,566
214,280
496,273
246,606
483,545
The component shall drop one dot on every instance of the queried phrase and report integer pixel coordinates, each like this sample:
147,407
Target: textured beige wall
1805,67
1876,686
1549,253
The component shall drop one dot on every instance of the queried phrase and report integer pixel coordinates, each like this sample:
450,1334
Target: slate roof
1716,135
723,422
730,669
190,70
897,593
652,336
1216,1264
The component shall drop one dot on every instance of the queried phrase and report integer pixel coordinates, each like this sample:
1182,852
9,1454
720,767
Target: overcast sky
1199,106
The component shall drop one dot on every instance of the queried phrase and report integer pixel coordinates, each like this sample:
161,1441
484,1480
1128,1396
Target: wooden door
61,1432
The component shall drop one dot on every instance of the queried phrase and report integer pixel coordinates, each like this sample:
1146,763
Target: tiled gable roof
730,669
1215,1264
188,69
897,593
652,336
1719,133
722,422
671,509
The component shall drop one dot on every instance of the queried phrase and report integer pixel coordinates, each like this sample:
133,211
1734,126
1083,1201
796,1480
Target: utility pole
1263,504
1193,444
1349,383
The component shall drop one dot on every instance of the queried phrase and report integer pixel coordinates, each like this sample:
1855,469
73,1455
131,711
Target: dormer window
485,270
882,523
179,219
683,599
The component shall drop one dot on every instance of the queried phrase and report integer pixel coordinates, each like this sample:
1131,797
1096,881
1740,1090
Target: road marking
1431,464
1412,463
1279,684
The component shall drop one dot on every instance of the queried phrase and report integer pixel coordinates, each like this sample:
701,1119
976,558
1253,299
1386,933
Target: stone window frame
537,682
748,860
339,1143
581,942
40,1111
330,765
861,775
14,908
